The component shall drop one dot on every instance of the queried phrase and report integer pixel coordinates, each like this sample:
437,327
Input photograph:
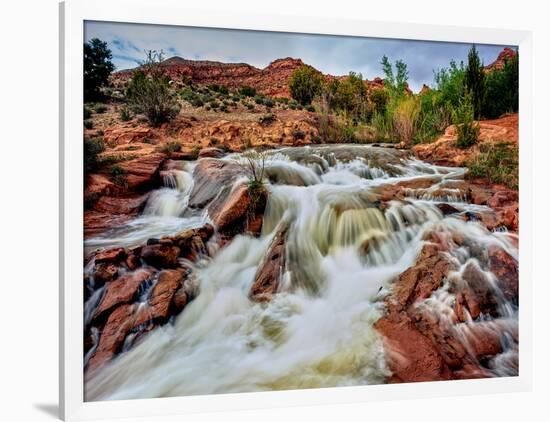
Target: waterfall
344,250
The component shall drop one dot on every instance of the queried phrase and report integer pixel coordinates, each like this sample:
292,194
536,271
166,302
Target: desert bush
214,105
170,147
405,118
310,108
88,124
87,113
379,99
268,102
305,83
250,106
247,91
125,114
258,99
214,141
97,68
497,162
253,163
100,108
348,96
92,148
149,91
267,118
466,127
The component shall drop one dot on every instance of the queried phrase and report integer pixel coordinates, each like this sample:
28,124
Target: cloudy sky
335,55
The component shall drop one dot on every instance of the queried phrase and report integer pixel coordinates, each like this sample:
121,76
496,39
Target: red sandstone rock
110,255
271,269
160,256
122,290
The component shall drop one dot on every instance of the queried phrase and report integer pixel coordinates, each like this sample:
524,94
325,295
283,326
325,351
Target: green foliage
92,148
267,118
466,127
379,99
170,147
502,90
258,99
125,114
496,162
305,83
268,102
97,68
87,113
474,80
396,83
405,118
149,91
450,85
348,96
88,124
100,108
310,108
116,170
247,91
434,116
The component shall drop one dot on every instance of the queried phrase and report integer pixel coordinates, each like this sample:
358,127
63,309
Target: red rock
502,198
118,325
505,268
158,308
129,205
104,272
110,255
410,355
211,153
143,172
271,269
122,290
447,209
133,261
117,135
477,291
160,256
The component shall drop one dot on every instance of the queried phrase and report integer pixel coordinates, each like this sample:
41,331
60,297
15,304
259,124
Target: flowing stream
343,251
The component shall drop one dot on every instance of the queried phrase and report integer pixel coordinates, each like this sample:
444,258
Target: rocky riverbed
348,265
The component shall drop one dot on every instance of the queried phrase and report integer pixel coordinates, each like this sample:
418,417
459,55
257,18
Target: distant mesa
271,81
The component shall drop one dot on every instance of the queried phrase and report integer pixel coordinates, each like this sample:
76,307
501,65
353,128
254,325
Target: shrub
298,134
88,124
214,104
197,102
379,99
382,126
496,162
310,108
254,164
348,95
258,99
170,147
305,83
267,118
116,170
466,127
87,113
250,106
97,68
92,148
125,114
268,102
247,91
214,141
224,108
100,108
149,91
405,117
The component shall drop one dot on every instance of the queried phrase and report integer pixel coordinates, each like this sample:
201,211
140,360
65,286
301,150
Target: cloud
336,55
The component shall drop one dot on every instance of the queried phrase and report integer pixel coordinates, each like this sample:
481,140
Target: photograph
269,211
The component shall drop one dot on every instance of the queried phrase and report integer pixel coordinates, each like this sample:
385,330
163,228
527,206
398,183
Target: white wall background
29,212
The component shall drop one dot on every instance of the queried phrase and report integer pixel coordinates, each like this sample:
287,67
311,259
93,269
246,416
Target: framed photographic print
266,211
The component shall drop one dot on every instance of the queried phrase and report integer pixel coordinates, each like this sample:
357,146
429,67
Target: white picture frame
73,13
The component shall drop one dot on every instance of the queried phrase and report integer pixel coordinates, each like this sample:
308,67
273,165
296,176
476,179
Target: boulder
104,272
505,268
271,269
211,153
110,255
161,255
113,334
123,290
142,173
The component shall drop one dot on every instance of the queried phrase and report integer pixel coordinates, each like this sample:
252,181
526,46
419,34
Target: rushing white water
343,252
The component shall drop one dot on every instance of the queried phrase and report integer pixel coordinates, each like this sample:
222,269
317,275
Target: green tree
502,90
149,91
97,68
305,84
396,82
474,80
349,95
449,82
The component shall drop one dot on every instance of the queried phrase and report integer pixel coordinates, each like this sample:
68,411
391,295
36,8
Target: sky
335,55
